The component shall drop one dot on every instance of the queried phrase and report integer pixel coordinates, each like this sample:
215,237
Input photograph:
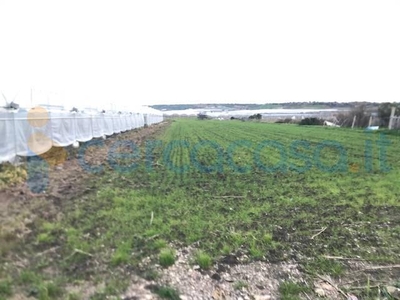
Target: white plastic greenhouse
30,132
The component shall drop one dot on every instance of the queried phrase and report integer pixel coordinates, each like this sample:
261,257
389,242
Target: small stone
260,287
230,260
262,297
218,294
216,276
320,292
393,291
228,278
222,268
327,287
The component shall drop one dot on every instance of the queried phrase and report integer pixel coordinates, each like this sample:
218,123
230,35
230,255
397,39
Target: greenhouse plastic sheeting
33,135
23,134
7,140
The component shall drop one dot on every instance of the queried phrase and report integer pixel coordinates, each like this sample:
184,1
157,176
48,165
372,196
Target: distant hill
287,105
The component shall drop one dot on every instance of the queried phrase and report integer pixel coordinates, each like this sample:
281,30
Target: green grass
150,274
272,214
159,244
290,290
234,192
73,296
29,277
239,285
203,260
10,175
166,292
322,265
5,288
121,255
45,238
167,257
51,291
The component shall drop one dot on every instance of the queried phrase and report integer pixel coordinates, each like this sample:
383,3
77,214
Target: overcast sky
164,52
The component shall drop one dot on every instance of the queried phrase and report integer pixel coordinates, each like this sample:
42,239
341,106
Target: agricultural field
211,210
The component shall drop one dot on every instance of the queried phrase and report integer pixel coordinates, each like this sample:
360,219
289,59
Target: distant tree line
385,110
362,113
311,121
202,116
255,117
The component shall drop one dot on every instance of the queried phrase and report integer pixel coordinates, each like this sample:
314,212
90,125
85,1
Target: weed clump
290,290
121,255
151,275
239,285
45,238
46,290
159,244
10,175
203,260
73,296
5,289
29,277
326,266
166,292
167,257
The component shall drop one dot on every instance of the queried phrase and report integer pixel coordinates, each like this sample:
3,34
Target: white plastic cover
24,135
